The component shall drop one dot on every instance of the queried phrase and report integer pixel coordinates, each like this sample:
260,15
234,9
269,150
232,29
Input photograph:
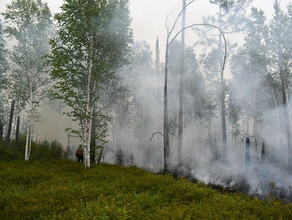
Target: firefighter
79,153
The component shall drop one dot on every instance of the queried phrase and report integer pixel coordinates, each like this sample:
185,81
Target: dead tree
169,41
247,151
166,146
181,86
17,129
263,152
7,139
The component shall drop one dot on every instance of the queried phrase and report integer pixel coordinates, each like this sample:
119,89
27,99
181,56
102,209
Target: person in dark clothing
79,154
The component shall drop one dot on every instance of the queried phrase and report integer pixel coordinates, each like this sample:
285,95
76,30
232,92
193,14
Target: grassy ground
60,189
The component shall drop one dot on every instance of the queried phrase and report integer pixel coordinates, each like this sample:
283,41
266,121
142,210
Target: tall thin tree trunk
263,152
93,138
88,143
27,151
17,129
247,127
1,131
166,147
29,124
287,117
277,119
247,151
255,131
223,112
87,126
181,86
30,139
88,121
222,95
10,122
157,65
275,106
255,124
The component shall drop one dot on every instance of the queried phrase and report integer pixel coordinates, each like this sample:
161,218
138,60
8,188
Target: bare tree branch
155,134
176,20
210,25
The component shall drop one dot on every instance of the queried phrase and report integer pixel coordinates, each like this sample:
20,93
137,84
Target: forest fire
207,99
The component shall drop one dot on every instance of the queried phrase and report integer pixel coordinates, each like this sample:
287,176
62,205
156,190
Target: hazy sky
149,15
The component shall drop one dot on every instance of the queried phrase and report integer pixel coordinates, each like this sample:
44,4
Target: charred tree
247,151
169,41
222,95
157,67
158,96
181,85
1,131
7,139
166,147
263,151
17,129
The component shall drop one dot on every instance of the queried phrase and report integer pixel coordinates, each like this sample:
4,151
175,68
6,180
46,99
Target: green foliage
29,25
3,60
42,150
59,189
91,44
3,71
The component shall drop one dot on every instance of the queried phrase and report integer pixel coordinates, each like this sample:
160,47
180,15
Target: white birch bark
88,120
28,130
26,144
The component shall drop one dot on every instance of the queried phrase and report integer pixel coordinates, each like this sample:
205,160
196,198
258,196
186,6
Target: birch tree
3,70
29,24
91,44
3,58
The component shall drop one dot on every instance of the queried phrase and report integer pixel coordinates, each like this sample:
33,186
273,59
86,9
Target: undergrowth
14,150
61,189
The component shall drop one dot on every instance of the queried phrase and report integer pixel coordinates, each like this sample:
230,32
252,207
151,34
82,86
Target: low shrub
41,150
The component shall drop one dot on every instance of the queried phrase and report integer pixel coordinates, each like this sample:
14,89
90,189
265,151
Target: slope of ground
60,189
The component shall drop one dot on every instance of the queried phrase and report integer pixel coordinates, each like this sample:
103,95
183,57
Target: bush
42,150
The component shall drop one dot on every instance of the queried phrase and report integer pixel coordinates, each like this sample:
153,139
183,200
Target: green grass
61,189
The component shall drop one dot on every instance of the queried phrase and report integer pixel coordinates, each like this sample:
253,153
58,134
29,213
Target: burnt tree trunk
166,147
181,86
1,131
247,151
7,139
17,129
263,152
222,95
158,96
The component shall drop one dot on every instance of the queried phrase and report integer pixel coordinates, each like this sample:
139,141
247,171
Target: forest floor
62,189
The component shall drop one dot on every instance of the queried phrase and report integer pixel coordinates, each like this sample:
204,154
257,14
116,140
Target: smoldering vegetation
257,157
137,116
